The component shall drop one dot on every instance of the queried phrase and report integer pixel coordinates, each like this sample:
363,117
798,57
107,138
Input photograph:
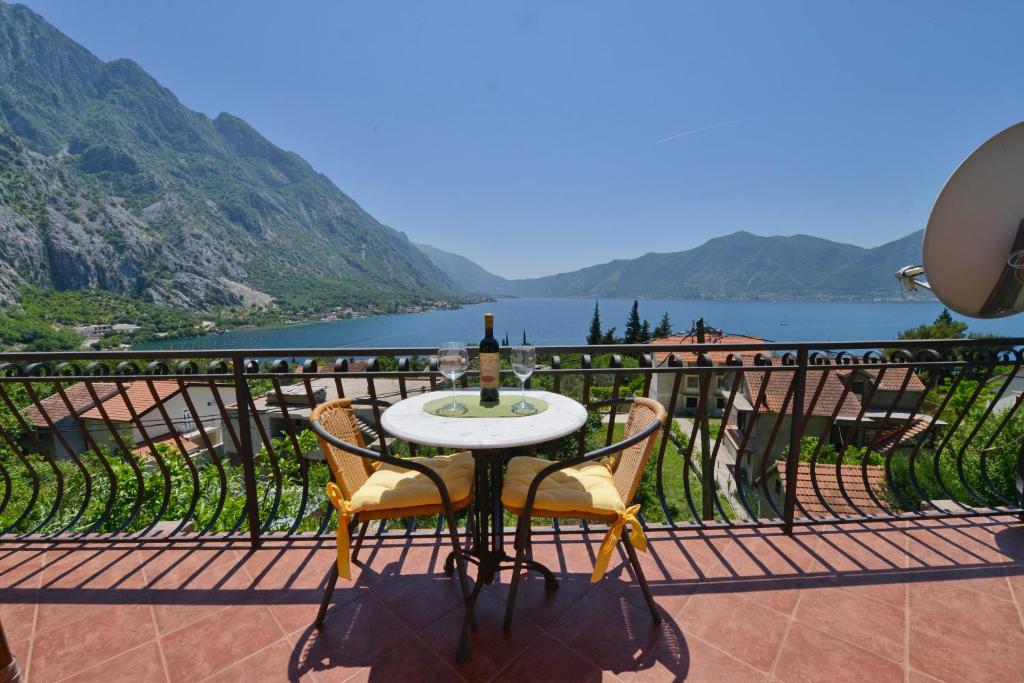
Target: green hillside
736,266
107,182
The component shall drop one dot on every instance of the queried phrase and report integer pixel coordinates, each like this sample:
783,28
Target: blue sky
534,138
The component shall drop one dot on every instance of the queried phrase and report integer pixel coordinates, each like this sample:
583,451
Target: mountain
468,276
108,182
736,266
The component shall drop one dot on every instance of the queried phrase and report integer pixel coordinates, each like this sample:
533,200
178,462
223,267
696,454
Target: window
692,382
741,420
691,402
720,403
187,423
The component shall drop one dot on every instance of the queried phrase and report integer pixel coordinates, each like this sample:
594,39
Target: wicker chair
369,485
599,486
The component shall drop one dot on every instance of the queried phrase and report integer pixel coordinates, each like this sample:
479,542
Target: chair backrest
628,464
338,419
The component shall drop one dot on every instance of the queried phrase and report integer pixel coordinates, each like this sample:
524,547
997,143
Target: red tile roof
778,385
190,446
828,485
717,357
903,434
78,396
892,379
140,397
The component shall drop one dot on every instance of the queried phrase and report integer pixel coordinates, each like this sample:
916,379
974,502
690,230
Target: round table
492,441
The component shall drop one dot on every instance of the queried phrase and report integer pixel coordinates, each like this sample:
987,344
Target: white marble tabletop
407,420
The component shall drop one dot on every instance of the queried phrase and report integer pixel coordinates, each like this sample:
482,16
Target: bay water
566,321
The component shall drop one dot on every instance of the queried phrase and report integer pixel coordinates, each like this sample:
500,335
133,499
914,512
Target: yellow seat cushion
392,487
584,488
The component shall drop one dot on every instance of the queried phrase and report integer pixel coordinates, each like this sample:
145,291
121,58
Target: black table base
488,537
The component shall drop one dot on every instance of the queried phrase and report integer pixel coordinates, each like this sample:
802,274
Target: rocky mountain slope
108,182
736,266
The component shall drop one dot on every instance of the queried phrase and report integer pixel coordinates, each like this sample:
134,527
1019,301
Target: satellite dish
974,241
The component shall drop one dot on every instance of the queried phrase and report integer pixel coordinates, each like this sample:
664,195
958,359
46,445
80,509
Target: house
59,436
295,404
161,413
689,391
842,406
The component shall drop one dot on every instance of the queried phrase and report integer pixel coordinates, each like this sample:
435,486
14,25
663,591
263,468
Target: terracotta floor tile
944,608
696,662
227,612
740,627
18,618
20,569
875,626
963,659
276,662
410,661
546,659
491,647
141,664
918,677
217,641
70,647
181,595
354,636
382,560
95,568
620,637
538,604
287,569
810,655
990,580
69,606
195,559
420,599
21,651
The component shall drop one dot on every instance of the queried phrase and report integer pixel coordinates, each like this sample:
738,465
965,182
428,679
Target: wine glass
452,362
523,359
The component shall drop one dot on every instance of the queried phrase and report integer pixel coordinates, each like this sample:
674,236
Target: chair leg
460,560
332,580
522,543
462,650
634,561
359,540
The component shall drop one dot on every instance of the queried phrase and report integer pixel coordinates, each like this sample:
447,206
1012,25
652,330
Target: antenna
910,278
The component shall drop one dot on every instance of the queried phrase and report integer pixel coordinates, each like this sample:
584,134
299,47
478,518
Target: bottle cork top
488,317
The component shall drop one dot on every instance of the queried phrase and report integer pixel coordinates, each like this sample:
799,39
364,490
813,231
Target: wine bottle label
489,370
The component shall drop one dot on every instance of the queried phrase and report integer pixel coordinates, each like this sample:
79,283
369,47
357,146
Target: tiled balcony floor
907,602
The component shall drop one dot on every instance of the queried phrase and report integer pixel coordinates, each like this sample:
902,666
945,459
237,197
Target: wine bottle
490,364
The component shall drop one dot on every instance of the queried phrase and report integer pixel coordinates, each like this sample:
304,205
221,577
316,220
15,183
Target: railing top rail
547,350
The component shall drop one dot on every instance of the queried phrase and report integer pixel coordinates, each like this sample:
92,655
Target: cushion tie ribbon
344,509
636,536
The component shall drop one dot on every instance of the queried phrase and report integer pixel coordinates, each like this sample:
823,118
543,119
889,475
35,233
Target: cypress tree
633,324
664,327
595,336
645,333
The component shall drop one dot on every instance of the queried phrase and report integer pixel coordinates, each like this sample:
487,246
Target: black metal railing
152,445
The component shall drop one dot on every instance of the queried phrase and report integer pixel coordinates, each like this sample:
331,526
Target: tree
524,337
645,333
664,327
944,327
609,336
632,335
595,336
